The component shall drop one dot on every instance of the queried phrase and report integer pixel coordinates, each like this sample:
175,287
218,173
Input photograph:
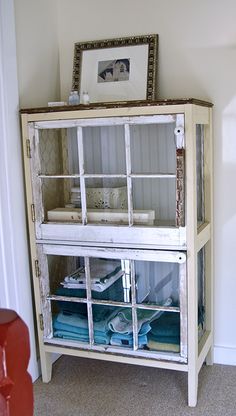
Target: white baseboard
224,355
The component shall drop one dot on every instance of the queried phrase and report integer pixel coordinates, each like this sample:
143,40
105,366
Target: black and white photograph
113,71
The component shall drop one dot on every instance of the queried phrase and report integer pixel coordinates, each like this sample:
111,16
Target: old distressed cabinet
120,221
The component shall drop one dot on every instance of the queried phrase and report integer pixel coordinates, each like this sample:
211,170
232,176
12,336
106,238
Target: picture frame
121,69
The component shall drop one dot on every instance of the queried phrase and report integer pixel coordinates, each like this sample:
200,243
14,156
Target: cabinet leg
192,388
46,366
209,357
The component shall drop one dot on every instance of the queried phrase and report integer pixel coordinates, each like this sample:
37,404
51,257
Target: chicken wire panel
58,151
56,193
153,148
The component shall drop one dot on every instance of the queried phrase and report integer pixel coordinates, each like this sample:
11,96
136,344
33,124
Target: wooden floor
82,387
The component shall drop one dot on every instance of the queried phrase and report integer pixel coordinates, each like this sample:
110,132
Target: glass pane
61,201
200,172
155,199
164,335
104,150
70,325
107,201
157,283
201,291
153,148
67,277
58,151
102,314
107,280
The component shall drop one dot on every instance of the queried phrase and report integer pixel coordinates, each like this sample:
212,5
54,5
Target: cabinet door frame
130,255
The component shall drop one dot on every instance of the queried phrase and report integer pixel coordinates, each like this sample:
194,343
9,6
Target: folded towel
67,324
167,325
121,322
76,320
127,340
114,292
103,273
98,338
168,340
162,346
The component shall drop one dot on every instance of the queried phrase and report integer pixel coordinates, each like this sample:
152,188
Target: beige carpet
82,387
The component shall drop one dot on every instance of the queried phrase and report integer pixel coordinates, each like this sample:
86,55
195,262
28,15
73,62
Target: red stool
16,390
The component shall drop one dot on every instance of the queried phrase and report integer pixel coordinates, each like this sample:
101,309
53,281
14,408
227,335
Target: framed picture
120,69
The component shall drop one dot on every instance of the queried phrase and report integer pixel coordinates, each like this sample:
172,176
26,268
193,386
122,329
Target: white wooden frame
189,238
121,254
92,233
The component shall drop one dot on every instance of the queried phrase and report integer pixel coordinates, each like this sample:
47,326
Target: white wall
37,52
197,58
15,288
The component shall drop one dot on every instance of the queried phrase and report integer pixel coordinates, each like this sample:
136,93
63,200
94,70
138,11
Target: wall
15,292
197,58
37,52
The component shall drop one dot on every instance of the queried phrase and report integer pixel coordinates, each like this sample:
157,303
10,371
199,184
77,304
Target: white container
102,198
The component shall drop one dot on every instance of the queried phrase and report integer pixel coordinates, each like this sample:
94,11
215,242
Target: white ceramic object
103,198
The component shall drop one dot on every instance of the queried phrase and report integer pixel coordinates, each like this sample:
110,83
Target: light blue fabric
98,338
75,326
127,339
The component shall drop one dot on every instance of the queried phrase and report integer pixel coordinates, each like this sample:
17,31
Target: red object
16,390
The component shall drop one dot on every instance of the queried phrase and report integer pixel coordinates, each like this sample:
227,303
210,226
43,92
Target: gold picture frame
121,69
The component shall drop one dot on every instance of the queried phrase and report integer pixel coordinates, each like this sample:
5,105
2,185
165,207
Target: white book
114,216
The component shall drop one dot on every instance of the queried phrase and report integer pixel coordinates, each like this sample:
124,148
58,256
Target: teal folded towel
166,325
114,292
166,329
75,326
98,338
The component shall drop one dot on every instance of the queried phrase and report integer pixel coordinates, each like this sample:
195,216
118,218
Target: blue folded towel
98,338
75,326
127,339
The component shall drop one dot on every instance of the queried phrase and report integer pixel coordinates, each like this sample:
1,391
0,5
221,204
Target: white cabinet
120,210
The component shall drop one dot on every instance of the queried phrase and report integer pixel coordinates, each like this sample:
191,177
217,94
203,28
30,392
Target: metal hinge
37,269
41,324
28,150
33,212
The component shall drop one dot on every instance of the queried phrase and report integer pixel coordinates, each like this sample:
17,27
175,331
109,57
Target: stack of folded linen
103,273
114,292
75,327
121,322
165,333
